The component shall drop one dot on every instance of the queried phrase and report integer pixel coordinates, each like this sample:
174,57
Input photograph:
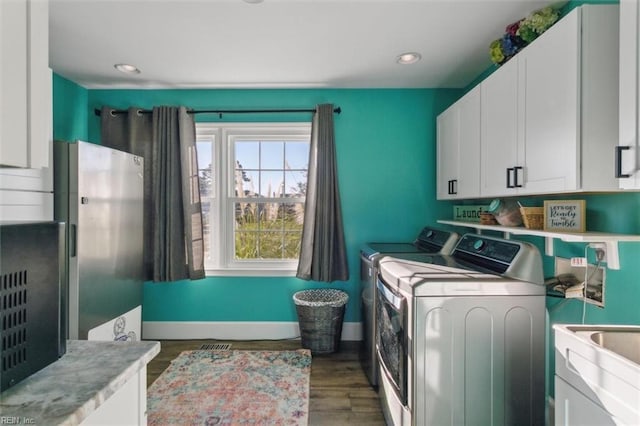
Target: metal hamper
320,315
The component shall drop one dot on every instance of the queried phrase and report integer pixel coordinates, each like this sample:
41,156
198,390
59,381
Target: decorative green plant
521,33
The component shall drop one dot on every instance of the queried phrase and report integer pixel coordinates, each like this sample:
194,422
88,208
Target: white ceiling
277,43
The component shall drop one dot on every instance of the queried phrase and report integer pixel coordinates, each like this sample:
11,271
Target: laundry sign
469,213
565,215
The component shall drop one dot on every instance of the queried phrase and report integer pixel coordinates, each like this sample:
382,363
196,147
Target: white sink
602,362
623,342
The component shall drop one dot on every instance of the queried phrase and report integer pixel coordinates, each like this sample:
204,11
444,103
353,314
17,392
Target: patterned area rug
232,388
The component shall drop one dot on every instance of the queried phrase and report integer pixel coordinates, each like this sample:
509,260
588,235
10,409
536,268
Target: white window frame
220,261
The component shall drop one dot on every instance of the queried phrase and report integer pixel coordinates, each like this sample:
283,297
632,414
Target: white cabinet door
549,115
13,83
469,153
25,84
628,150
572,408
40,96
499,131
127,406
459,148
530,118
549,148
447,152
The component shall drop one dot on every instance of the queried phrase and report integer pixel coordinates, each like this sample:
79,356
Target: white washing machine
461,338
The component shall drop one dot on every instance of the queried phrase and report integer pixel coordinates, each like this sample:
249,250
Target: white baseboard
234,330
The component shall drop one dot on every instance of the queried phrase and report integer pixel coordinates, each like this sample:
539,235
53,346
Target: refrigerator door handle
73,240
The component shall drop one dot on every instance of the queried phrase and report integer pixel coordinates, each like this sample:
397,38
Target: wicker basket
533,217
320,314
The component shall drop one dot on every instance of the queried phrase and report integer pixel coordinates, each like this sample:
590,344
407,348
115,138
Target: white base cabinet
573,408
458,148
128,406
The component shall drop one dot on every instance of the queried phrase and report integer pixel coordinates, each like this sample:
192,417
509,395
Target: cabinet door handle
451,189
619,173
509,170
515,177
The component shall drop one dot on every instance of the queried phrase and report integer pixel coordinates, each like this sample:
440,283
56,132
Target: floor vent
216,347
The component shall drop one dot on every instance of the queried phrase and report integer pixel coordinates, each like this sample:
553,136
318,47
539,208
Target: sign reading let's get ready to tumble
565,215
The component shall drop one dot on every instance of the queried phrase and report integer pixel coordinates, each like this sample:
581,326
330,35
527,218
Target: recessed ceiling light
253,1
408,58
127,68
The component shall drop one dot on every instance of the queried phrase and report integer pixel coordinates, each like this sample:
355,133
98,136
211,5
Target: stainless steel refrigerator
98,192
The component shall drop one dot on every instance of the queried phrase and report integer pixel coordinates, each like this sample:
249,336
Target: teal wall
386,163
385,141
617,213
69,110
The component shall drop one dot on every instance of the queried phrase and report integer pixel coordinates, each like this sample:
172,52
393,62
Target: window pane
292,244
245,183
271,184
247,154
267,231
293,216
297,155
272,155
204,149
270,245
246,245
205,171
271,216
246,215
295,183
205,179
206,228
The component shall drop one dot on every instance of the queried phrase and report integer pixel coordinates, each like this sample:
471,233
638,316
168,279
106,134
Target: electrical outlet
596,277
600,250
580,262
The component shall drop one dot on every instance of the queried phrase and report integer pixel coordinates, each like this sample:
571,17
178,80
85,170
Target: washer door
391,339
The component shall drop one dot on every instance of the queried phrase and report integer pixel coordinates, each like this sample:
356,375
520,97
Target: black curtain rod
336,110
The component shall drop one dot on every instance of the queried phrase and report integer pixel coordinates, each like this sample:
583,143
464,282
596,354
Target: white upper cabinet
458,148
628,150
499,124
25,84
549,116
548,146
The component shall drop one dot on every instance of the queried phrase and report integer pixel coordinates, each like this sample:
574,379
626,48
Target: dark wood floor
340,392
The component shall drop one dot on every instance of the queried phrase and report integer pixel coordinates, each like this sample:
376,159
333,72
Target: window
253,181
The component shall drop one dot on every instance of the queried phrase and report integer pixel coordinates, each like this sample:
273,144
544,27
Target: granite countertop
70,389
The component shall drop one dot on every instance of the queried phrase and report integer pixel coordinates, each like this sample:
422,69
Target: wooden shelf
609,240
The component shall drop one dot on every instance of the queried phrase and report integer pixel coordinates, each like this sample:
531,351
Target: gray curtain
323,255
173,246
